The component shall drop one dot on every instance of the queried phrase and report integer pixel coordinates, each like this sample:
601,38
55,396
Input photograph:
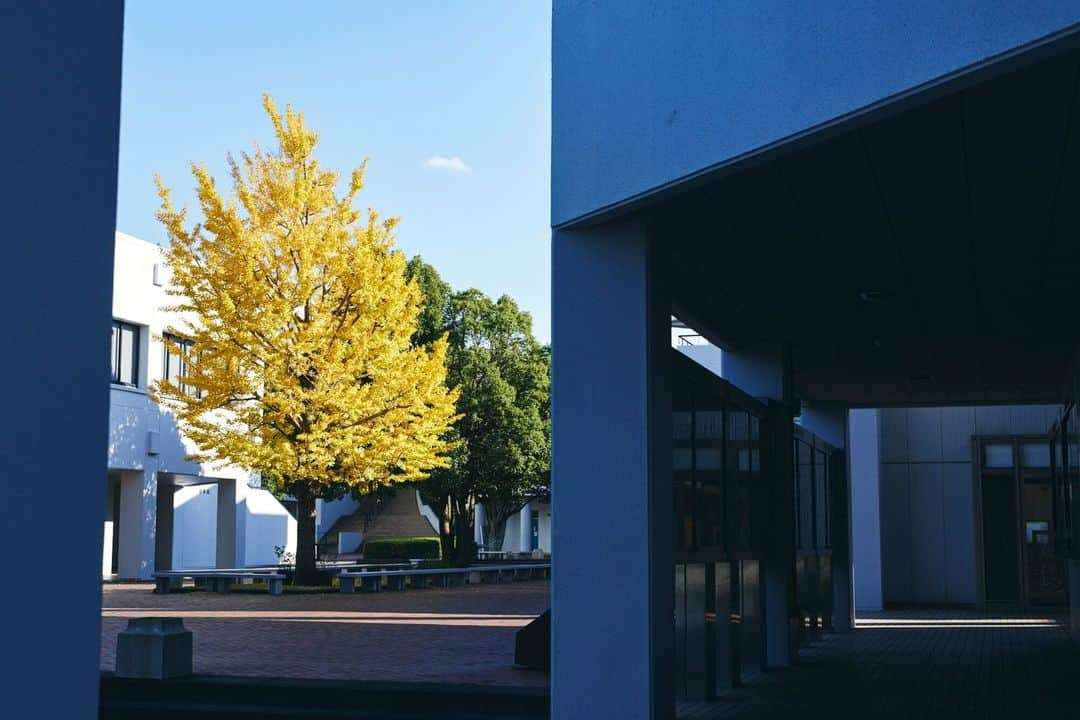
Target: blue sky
449,101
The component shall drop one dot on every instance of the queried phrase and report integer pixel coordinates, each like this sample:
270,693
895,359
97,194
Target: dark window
176,366
125,353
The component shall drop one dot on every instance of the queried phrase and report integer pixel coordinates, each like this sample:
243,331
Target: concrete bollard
155,648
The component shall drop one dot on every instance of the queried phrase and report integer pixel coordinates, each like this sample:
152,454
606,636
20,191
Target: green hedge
425,548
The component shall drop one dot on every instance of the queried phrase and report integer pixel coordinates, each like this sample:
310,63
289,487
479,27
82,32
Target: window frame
116,371
187,344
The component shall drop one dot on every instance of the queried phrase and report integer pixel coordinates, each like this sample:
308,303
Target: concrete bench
217,580
371,580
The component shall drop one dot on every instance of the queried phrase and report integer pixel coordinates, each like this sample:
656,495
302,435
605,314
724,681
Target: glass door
1044,572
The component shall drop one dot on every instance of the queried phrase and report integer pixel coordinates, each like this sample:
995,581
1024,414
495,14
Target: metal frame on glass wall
724,487
812,482
719,516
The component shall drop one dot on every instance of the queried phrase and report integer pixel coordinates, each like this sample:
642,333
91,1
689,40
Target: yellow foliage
301,322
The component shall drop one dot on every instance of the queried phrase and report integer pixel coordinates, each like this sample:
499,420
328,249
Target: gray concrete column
57,59
165,522
138,524
612,629
226,524
864,478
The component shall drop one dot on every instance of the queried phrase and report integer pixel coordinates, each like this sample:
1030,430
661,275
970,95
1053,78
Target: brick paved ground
433,635
921,665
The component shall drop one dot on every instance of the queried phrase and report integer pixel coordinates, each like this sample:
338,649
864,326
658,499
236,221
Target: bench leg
277,587
347,584
395,583
371,584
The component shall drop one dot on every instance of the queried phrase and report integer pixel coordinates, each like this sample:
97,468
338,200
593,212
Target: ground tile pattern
452,635
920,664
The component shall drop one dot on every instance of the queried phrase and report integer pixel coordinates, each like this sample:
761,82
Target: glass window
1035,455
709,471
821,499
998,456
738,481
125,353
177,363
804,494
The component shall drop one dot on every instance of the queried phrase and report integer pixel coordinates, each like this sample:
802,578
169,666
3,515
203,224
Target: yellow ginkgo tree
299,361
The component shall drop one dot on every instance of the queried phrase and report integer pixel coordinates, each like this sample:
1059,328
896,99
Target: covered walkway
920,664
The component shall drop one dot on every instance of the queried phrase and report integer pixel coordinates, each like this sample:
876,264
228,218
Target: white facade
217,516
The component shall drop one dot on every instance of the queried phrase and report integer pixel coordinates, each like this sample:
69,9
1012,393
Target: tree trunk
464,533
305,538
446,530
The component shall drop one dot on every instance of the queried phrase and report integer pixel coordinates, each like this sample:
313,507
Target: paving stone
920,664
458,635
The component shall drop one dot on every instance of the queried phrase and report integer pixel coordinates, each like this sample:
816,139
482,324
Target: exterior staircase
399,517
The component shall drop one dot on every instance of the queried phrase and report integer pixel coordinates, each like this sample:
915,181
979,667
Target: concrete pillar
138,524
478,526
110,525
612,631
53,487
762,371
525,528
226,524
864,476
166,527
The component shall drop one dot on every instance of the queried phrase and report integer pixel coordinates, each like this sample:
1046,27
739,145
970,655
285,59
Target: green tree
503,448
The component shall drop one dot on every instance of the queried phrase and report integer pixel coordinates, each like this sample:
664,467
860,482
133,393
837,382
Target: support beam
612,643
165,524
226,524
138,524
864,475
61,91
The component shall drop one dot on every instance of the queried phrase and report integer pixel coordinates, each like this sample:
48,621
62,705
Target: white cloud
454,163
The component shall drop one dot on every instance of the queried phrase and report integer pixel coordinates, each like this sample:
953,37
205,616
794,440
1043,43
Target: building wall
927,506
144,440
645,93
512,534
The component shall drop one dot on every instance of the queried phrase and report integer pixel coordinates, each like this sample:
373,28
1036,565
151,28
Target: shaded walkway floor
920,664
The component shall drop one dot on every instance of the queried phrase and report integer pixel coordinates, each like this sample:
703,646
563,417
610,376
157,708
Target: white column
612,621
138,524
525,528
478,525
865,463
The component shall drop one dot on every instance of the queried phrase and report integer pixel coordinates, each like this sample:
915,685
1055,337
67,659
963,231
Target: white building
163,511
